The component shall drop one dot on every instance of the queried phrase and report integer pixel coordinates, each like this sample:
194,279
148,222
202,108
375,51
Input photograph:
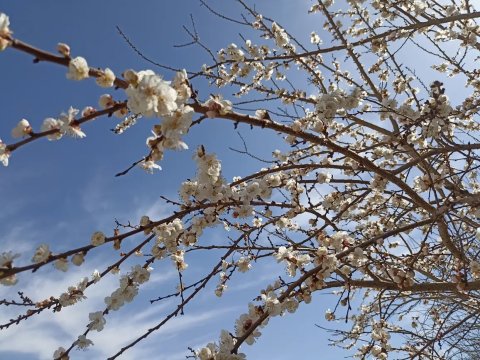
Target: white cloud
20,238
93,196
156,210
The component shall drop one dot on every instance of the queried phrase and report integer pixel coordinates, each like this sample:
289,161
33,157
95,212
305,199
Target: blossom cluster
271,306
151,96
73,294
336,101
128,288
220,351
209,184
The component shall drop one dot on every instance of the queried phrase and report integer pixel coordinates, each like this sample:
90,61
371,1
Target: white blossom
244,264
96,276
151,96
181,85
315,38
217,106
78,69
4,153
149,166
88,111
106,79
106,101
257,222
6,259
68,124
82,342
114,301
23,128
140,275
177,123
4,31
50,124
73,294
97,321
60,354
179,260
329,315
98,238
324,178
41,254
63,49
281,37
78,259
4,24
61,264
6,262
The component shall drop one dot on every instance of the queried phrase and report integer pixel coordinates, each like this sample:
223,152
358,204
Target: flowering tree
372,199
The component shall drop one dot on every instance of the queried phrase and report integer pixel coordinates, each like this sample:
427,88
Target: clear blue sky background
60,192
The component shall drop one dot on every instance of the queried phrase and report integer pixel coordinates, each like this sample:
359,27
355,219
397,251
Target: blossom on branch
150,95
23,128
78,69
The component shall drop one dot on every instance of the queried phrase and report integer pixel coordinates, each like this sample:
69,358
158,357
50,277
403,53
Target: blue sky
60,192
